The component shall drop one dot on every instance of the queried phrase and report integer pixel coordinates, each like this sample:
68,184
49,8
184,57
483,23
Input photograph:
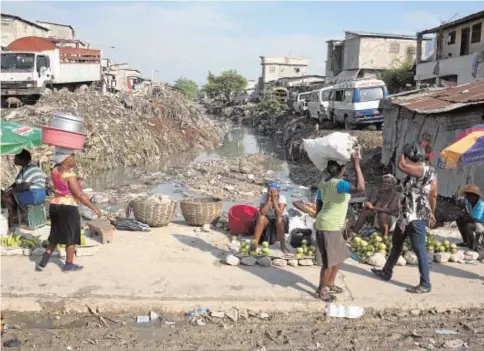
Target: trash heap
126,130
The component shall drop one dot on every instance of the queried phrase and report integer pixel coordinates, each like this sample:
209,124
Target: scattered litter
454,344
12,343
200,323
446,332
142,319
168,320
341,311
153,316
197,312
217,314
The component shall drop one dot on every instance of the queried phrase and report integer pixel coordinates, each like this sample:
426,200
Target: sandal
419,289
328,298
71,267
335,289
380,274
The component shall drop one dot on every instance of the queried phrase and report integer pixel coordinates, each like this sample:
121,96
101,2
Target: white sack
335,146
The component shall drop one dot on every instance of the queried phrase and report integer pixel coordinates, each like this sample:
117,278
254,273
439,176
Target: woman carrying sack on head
335,198
64,213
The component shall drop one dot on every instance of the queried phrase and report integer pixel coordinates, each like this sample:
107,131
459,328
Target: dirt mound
124,130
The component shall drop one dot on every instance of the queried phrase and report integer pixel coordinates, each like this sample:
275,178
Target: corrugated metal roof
457,22
381,35
443,100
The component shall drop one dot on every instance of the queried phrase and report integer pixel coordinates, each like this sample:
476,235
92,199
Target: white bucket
4,222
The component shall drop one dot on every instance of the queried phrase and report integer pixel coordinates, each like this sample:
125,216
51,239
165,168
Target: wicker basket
198,212
153,214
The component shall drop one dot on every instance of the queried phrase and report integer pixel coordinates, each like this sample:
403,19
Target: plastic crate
35,216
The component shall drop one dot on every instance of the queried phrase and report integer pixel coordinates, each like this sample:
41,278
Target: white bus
318,105
356,102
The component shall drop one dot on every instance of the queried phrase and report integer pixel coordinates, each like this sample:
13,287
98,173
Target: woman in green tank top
335,197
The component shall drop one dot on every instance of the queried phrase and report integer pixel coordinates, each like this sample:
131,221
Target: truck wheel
82,89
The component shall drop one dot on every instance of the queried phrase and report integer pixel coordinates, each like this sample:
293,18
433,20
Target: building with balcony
458,57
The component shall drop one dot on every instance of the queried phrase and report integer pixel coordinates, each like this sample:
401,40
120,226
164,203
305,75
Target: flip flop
335,289
328,298
419,289
71,267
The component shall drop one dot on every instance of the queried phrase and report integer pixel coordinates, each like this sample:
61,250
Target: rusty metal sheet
444,100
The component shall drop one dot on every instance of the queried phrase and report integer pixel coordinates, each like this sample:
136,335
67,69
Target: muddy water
237,142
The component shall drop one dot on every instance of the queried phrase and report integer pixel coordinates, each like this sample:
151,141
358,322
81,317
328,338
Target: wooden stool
102,228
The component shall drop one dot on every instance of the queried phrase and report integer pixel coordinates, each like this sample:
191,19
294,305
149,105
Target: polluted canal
235,172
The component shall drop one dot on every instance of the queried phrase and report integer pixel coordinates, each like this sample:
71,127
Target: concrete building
274,68
15,27
363,54
61,31
459,52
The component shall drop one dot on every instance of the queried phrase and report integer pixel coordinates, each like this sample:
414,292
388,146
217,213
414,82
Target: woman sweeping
335,197
64,213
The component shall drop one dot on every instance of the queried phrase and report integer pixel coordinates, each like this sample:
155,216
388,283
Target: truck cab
25,74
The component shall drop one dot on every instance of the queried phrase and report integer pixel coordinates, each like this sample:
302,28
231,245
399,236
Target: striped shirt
33,175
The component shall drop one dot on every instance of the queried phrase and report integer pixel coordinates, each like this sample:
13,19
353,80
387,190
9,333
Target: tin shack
436,116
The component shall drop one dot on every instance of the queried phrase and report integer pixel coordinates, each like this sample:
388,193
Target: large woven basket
198,212
152,213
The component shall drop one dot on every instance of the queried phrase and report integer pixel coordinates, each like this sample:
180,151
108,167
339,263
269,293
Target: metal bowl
68,122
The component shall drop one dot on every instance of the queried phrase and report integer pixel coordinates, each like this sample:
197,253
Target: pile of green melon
252,248
366,248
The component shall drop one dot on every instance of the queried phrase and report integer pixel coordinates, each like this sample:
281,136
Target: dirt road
295,331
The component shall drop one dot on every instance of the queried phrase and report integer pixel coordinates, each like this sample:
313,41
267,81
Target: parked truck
33,66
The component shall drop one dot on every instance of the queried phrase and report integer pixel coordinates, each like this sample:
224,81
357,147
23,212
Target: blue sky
189,38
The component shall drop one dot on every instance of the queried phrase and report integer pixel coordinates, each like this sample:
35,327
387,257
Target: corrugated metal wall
403,126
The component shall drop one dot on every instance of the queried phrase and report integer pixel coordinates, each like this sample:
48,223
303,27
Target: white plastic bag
336,146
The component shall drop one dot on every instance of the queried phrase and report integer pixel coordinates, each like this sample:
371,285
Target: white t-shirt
282,200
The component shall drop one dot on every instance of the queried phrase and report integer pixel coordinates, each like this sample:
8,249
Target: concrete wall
384,53
351,54
454,49
13,29
58,31
460,66
274,68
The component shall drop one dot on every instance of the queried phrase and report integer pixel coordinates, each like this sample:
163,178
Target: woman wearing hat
64,213
470,224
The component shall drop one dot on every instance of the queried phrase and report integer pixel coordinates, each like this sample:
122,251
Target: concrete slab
177,269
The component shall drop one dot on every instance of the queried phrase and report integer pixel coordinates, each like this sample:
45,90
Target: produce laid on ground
19,241
365,248
249,253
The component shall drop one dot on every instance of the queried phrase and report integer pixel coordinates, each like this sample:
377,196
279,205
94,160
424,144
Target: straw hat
470,189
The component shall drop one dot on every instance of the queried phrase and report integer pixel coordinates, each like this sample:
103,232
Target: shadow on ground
272,275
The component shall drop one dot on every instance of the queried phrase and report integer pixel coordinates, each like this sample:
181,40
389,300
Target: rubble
225,178
154,126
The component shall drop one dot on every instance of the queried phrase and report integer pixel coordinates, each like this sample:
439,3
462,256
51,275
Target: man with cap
470,224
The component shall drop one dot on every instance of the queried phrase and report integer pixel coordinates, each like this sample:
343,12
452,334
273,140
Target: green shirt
335,196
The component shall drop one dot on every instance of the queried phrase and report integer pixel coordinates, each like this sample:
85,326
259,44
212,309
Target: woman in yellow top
335,196
64,213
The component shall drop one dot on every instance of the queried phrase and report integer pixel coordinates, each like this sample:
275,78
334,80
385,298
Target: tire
82,89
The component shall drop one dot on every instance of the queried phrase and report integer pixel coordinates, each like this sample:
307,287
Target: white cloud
186,40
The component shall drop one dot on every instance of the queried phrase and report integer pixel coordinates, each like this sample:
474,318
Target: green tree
227,83
188,87
271,107
397,78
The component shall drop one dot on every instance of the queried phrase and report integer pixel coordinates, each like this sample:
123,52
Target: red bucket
240,218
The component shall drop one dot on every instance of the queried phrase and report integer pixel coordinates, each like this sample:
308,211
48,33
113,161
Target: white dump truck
33,66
